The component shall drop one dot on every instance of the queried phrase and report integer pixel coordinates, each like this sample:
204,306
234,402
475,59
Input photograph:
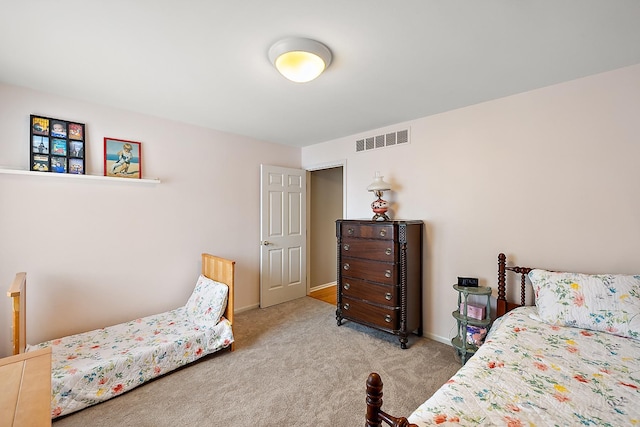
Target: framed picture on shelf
76,166
57,145
39,126
58,164
76,131
76,149
122,158
40,144
40,163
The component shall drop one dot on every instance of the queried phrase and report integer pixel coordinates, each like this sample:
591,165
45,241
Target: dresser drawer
379,250
374,271
379,294
368,231
380,316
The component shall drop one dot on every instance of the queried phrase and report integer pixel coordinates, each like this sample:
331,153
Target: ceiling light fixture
300,60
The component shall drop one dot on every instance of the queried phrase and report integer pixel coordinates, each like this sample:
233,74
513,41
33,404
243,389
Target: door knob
266,243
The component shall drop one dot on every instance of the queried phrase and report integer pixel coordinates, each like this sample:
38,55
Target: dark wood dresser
380,275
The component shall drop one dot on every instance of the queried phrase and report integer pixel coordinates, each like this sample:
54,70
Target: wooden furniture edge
24,356
18,291
222,270
26,396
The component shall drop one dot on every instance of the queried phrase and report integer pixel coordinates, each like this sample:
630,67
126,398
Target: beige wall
550,177
97,252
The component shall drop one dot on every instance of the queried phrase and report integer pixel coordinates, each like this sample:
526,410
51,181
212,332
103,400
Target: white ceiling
204,62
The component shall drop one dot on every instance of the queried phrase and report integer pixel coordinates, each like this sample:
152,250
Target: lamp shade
378,184
300,60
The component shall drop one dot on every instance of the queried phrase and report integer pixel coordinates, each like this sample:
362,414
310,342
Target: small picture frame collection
57,145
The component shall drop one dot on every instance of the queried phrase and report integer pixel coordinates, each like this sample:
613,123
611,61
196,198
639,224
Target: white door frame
320,166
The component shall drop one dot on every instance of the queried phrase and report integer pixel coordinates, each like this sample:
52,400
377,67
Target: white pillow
603,302
207,302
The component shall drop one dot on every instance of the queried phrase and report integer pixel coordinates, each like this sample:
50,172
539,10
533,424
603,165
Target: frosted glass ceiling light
300,60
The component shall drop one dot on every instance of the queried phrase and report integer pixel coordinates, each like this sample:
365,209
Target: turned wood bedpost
375,415
501,303
523,284
374,400
502,306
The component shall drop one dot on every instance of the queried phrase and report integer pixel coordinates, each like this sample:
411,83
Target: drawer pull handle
350,231
387,273
346,266
388,318
387,251
346,306
383,232
346,247
388,296
346,286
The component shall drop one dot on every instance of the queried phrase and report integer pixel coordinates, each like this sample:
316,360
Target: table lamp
379,206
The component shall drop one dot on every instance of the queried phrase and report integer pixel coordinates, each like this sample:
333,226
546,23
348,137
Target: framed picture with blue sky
122,158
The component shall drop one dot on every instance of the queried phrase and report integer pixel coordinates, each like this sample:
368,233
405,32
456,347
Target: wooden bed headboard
215,268
222,270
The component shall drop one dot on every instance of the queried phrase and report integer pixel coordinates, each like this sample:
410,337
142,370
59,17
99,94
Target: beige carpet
293,366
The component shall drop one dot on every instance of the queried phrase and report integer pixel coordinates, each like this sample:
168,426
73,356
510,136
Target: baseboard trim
326,285
438,338
246,308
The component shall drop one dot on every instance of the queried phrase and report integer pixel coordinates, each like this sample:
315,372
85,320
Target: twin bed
572,359
94,366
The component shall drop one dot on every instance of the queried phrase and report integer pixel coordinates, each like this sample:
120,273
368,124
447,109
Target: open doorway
326,205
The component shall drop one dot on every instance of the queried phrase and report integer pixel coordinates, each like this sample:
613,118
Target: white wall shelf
77,176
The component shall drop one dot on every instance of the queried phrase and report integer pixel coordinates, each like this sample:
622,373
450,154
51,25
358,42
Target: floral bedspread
94,366
529,373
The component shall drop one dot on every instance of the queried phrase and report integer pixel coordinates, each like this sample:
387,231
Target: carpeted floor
293,366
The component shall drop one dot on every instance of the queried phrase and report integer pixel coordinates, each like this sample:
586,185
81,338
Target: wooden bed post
501,303
502,306
375,415
374,400
17,292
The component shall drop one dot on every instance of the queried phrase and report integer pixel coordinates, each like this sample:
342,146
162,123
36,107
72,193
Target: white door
283,235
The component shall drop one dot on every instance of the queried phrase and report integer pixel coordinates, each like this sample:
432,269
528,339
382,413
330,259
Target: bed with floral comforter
573,359
528,372
94,366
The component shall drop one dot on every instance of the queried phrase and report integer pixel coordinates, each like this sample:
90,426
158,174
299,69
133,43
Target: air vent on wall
380,141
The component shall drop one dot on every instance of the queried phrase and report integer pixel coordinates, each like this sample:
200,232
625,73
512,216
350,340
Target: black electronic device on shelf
469,282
